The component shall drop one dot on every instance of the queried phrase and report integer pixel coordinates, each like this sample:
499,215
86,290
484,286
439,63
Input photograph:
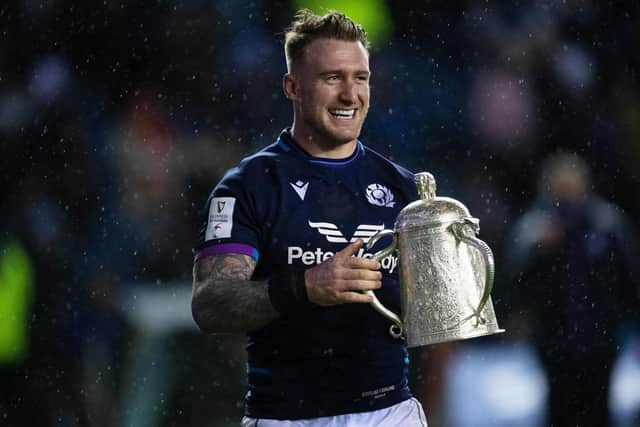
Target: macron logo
300,188
334,235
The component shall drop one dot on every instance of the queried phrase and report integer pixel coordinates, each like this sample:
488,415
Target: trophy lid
430,210
426,185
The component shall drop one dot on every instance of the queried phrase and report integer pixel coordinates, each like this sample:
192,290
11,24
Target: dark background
116,118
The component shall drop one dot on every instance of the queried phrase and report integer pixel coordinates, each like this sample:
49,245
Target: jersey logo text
314,257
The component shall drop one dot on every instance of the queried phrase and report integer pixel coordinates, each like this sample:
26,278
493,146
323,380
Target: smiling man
280,256
330,94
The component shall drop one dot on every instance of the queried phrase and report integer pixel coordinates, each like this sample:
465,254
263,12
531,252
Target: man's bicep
224,267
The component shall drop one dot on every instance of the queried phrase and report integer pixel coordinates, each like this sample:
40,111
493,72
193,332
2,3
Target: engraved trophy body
446,272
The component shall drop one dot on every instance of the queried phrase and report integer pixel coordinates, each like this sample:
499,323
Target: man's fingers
362,274
355,297
362,263
351,261
359,285
351,249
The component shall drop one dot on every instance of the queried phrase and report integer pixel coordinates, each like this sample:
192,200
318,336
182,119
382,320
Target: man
281,254
573,265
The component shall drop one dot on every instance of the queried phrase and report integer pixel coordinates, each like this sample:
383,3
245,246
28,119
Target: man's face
331,96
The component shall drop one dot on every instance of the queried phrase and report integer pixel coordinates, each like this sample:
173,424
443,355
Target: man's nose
349,92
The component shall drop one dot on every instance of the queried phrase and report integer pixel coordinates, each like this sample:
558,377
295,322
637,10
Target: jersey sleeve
229,224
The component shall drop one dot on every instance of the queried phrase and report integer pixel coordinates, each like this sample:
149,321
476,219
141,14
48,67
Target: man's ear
290,87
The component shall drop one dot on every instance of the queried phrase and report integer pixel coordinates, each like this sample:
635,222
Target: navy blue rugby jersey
291,211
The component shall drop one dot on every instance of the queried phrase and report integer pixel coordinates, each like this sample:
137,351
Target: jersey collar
287,143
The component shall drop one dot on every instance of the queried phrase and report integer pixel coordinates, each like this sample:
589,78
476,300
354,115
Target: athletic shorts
404,414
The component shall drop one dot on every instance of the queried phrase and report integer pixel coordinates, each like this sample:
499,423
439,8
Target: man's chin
331,137
341,137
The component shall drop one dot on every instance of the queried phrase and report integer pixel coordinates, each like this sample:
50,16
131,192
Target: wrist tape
287,292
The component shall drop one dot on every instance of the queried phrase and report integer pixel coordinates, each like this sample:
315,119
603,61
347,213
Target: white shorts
404,414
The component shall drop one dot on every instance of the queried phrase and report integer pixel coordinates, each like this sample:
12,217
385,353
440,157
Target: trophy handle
465,230
396,329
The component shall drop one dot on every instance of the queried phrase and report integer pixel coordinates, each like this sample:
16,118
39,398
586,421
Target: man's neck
316,147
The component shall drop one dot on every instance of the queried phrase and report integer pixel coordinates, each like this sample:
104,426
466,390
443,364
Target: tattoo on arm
225,300
225,267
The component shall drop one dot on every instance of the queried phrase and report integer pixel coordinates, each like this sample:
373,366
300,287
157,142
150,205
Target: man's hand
339,279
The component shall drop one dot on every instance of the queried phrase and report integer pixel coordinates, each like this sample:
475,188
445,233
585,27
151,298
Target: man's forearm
225,300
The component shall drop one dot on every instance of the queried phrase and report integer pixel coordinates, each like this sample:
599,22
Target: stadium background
116,118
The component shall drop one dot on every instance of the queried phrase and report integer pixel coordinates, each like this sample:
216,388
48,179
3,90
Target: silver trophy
446,272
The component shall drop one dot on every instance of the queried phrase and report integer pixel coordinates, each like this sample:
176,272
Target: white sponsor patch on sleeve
220,219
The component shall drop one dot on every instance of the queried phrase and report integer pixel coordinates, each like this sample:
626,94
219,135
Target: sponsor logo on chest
334,235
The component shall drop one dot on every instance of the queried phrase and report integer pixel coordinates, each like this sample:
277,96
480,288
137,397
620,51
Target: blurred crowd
116,118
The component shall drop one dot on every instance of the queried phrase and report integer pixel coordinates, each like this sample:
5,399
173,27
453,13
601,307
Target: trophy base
454,335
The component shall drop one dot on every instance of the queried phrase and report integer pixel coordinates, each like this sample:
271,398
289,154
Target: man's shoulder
266,155
256,163
388,165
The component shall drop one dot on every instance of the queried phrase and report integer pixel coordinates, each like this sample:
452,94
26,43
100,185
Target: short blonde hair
307,27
